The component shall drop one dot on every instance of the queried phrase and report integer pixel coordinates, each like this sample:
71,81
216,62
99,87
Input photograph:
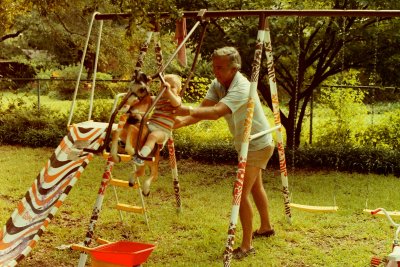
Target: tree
321,48
308,50
10,12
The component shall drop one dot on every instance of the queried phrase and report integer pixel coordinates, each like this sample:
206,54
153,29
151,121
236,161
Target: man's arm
208,110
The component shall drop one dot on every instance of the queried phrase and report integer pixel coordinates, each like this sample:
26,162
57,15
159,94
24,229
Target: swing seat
381,213
316,209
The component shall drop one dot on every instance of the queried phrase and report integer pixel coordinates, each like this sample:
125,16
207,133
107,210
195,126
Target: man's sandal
268,233
239,253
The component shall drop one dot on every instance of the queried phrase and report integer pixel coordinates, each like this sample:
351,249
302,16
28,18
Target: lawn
198,234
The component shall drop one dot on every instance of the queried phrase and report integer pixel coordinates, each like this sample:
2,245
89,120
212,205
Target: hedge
22,124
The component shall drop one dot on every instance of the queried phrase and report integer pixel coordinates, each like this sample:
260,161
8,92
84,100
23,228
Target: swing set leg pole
174,170
238,185
277,120
96,210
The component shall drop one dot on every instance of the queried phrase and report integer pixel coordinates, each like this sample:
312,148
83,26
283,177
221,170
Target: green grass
198,234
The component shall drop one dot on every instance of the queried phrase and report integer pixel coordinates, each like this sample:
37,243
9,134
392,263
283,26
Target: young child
162,120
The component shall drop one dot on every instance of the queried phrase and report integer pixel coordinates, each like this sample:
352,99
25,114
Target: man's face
223,71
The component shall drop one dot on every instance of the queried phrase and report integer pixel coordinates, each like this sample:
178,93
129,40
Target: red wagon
118,254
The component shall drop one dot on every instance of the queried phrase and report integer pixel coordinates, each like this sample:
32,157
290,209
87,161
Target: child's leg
130,140
153,138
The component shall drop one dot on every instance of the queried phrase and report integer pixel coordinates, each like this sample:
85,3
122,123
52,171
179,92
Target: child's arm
175,100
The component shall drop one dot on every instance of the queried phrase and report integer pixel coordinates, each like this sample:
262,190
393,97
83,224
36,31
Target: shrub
343,115
101,110
208,141
106,89
350,159
64,90
21,123
384,133
196,90
45,87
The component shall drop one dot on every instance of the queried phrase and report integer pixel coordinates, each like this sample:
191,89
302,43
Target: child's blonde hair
175,81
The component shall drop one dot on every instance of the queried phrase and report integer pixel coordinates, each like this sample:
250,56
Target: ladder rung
123,157
123,183
129,208
380,213
314,208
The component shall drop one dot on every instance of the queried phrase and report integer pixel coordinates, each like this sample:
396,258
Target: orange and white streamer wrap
174,170
48,192
277,120
238,185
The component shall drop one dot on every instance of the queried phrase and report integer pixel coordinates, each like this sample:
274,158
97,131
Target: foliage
22,123
45,87
383,133
104,89
208,141
101,110
64,88
346,159
197,89
344,113
10,13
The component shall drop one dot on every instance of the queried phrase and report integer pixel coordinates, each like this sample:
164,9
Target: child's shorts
155,127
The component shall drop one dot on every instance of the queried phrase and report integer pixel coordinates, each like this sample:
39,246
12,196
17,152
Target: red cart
118,254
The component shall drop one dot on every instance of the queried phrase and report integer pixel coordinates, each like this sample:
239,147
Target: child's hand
166,84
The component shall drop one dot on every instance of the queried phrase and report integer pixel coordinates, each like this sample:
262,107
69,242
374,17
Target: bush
350,159
208,141
384,133
45,87
101,110
344,114
196,90
64,90
64,82
107,89
21,123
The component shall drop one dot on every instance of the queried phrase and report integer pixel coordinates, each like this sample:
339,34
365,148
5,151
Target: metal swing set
89,138
264,41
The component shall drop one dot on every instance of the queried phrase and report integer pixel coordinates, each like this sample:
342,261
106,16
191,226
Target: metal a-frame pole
277,121
238,185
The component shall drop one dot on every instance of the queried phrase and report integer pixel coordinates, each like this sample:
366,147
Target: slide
48,191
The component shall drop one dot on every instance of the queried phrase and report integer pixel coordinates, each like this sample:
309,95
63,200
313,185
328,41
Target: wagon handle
81,248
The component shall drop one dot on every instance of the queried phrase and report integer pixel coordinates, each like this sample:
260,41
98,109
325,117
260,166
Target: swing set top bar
275,13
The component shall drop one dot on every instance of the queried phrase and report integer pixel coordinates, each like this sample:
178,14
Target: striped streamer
174,170
238,185
48,192
277,120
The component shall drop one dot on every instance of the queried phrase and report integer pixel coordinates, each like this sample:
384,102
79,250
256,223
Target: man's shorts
260,158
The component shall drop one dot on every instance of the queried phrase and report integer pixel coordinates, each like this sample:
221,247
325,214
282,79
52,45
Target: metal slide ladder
125,184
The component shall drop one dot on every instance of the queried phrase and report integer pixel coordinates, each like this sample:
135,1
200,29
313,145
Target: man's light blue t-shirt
236,98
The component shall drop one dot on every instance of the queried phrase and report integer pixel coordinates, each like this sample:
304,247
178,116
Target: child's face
173,86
